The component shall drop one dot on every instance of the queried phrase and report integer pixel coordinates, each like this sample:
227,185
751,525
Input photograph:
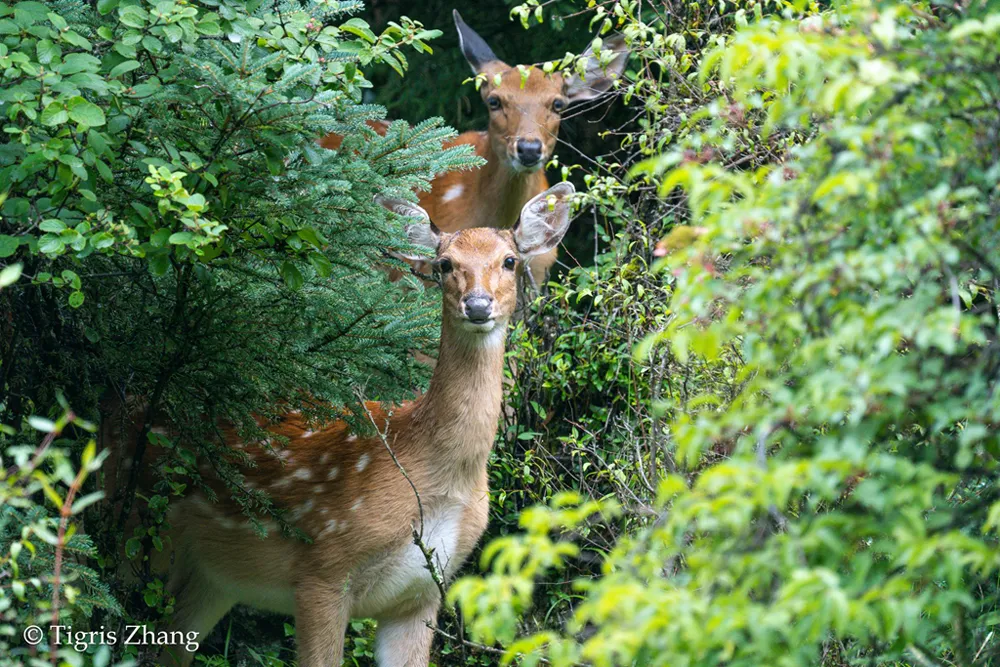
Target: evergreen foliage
180,237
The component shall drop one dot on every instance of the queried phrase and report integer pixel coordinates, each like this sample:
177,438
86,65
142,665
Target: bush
825,480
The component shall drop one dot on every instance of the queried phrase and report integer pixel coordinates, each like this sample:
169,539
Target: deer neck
504,190
459,414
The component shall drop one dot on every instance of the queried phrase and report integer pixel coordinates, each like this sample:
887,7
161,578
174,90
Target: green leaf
76,299
123,68
291,275
8,245
309,235
132,547
159,263
53,225
46,51
75,63
181,238
85,113
51,245
133,16
321,264
41,424
107,6
360,28
72,278
54,114
102,240
9,275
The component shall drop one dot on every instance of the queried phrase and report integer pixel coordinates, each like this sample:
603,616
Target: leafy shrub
825,483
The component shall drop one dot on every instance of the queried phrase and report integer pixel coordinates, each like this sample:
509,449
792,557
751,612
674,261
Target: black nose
478,307
529,151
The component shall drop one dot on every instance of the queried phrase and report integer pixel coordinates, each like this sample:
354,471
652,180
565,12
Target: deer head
525,117
478,267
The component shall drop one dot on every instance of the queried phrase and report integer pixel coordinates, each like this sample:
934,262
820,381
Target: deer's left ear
422,233
597,80
475,49
544,221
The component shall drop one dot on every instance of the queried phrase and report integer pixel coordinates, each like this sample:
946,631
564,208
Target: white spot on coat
308,434
362,462
281,483
334,526
303,474
454,192
303,509
352,438
332,475
357,505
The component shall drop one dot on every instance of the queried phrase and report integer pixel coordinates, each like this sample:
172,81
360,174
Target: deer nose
478,308
529,151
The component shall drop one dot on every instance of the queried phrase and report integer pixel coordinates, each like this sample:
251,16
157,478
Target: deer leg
405,641
199,605
322,611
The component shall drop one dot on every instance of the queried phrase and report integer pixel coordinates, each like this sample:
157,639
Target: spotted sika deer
521,137
348,493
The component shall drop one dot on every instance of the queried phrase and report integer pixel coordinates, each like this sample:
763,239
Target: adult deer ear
597,80
544,221
422,233
475,49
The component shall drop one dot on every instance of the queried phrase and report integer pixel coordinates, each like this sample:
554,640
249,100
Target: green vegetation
754,419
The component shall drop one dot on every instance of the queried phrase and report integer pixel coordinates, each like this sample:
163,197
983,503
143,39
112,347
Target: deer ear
597,80
422,233
544,221
475,49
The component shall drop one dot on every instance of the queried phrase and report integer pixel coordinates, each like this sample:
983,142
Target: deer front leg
322,610
405,641
199,605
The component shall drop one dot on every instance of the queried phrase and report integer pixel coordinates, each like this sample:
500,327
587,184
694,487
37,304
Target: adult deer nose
529,151
478,308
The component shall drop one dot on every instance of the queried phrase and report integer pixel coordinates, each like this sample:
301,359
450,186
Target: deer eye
558,104
510,263
493,102
443,265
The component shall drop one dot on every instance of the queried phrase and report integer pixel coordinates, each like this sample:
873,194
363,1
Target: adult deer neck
505,190
461,409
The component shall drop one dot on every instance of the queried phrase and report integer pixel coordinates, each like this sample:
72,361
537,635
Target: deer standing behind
349,495
520,139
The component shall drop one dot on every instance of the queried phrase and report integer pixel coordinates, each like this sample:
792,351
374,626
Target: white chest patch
401,578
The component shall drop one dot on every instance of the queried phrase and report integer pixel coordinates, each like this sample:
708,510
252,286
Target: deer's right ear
475,49
544,221
598,80
422,233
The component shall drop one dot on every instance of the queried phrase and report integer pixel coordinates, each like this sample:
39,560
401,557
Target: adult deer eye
493,102
558,105
510,263
444,265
